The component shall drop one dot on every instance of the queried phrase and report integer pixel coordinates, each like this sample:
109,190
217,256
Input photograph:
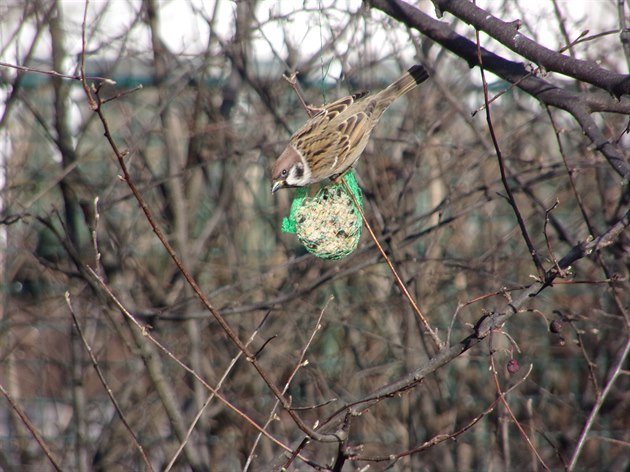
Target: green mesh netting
328,224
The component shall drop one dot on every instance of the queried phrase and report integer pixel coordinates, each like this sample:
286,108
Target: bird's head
290,170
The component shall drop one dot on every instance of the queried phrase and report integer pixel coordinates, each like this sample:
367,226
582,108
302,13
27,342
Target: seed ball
329,225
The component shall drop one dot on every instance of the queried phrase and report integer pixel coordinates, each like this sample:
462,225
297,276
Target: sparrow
332,141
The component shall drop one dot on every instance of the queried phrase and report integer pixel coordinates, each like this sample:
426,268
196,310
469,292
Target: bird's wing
334,109
334,138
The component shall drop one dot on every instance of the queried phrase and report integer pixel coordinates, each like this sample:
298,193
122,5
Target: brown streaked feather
339,106
333,137
330,112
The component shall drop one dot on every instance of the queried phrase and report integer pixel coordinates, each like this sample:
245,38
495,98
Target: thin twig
590,365
620,359
86,89
416,309
106,386
510,196
561,272
122,94
292,80
578,198
53,73
31,427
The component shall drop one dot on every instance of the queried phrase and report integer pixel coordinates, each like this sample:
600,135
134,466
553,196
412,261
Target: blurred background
200,106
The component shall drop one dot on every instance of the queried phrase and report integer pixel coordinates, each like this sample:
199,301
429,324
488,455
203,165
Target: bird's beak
277,185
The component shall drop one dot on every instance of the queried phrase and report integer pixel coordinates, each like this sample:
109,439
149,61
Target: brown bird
332,141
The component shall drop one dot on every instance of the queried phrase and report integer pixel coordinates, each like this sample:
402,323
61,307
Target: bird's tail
409,80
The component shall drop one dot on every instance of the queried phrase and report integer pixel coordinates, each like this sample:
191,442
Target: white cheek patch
305,178
307,175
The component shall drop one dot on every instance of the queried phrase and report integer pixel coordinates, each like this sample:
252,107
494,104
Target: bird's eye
284,172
